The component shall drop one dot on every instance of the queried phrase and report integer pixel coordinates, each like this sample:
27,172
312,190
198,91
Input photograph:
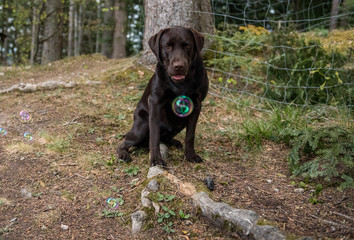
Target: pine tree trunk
160,14
4,32
71,28
334,13
79,41
98,27
53,26
108,22
119,38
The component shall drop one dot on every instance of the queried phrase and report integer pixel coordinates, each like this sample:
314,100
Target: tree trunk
35,28
4,38
98,27
71,28
79,41
120,37
52,42
160,14
334,13
107,28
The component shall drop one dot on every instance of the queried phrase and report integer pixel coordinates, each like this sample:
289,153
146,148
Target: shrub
290,77
326,152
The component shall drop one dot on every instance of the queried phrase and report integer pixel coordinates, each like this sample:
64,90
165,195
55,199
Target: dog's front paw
195,158
158,162
124,155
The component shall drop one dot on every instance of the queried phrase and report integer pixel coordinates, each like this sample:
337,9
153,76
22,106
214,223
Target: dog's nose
178,66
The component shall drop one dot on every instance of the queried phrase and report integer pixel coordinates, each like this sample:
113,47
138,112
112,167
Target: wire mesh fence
281,52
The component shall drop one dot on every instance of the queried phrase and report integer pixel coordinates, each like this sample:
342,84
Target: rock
243,222
269,181
2,74
154,171
25,193
156,206
145,201
138,218
92,82
299,190
163,151
266,232
64,227
153,185
209,182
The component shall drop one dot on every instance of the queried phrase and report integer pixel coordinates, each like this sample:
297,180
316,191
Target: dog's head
177,48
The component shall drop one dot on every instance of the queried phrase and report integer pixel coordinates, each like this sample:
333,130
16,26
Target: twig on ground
330,222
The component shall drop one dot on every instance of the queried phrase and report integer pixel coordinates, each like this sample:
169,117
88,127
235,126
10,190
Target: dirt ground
56,185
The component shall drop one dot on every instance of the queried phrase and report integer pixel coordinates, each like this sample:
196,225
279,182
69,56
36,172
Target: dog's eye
186,45
169,47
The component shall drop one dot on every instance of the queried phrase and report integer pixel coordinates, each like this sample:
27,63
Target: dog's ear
198,39
154,43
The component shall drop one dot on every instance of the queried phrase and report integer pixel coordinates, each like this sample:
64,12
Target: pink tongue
178,77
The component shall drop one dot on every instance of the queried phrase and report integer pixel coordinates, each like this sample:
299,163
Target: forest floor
56,185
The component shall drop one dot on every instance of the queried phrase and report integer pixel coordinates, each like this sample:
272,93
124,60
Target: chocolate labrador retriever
179,71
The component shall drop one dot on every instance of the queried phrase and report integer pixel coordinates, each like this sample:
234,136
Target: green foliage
291,79
314,195
166,198
168,228
132,171
111,214
235,49
326,152
183,215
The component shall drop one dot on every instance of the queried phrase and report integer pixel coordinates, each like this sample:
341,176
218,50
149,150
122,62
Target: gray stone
221,213
138,218
156,206
299,190
154,171
64,227
244,222
25,193
163,151
145,201
266,232
153,185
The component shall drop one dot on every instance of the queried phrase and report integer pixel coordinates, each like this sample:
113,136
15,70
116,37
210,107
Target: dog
179,71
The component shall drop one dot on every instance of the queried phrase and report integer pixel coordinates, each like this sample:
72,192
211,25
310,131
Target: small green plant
183,215
111,214
111,161
132,171
166,198
115,189
92,130
168,213
168,228
314,195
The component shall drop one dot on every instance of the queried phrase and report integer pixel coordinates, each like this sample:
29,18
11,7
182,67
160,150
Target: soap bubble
112,203
182,106
25,116
28,136
3,132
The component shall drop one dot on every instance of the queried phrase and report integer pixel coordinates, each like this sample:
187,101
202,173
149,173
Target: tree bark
71,28
35,28
52,45
108,28
98,27
120,38
161,14
334,13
